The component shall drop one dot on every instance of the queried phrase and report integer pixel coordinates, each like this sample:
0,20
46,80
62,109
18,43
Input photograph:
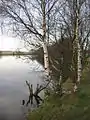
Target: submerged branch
35,94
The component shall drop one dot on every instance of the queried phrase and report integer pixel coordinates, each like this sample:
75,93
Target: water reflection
13,74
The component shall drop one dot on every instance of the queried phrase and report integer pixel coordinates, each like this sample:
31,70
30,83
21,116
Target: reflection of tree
0,54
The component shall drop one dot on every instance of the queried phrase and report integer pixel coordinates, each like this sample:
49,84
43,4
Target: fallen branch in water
39,88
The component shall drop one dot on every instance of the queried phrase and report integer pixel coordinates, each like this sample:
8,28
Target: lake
13,89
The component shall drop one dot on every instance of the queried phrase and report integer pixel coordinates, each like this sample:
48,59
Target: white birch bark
78,48
79,66
46,59
78,45
44,41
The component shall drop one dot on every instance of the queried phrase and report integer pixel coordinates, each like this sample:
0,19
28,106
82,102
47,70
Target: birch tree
76,48
74,18
78,40
28,19
46,22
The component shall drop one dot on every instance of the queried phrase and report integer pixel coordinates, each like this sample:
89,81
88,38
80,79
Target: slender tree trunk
45,47
46,59
61,74
77,50
79,64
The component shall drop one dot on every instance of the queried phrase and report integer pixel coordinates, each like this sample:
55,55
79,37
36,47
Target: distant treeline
14,53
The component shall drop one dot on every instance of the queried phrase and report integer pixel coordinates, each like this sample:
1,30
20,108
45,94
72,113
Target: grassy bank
75,106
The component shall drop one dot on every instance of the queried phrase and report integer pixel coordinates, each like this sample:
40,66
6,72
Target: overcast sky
9,43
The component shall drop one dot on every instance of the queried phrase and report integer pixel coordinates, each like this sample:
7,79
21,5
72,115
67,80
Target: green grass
75,106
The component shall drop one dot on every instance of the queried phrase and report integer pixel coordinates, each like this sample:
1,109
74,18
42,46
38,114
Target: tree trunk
79,64
46,59
45,47
76,50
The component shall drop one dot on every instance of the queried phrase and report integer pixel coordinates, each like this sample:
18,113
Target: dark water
13,74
